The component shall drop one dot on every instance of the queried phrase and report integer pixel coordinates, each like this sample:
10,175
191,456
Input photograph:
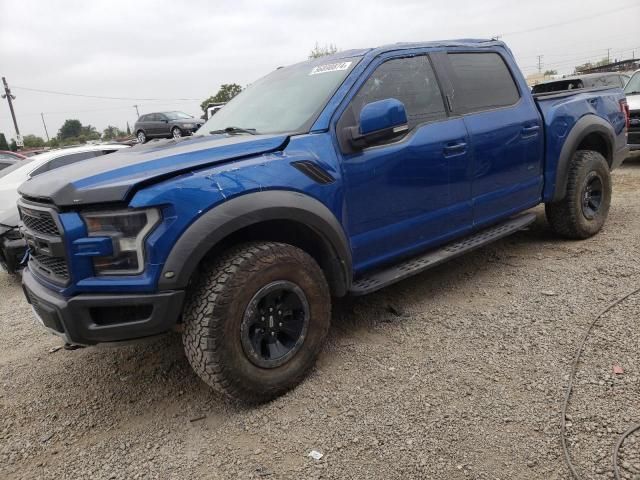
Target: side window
64,160
481,81
410,80
4,165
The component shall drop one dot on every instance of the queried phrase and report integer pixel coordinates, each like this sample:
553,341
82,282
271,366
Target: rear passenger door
505,130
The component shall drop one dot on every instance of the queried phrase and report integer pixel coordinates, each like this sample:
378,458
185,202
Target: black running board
382,278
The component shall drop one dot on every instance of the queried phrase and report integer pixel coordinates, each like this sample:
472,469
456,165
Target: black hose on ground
574,368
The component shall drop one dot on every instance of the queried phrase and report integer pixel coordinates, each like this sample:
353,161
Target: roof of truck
464,42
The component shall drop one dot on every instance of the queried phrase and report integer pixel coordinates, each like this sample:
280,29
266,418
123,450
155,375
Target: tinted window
410,80
65,160
481,81
4,165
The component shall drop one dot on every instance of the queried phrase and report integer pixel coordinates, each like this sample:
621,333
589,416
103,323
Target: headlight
128,230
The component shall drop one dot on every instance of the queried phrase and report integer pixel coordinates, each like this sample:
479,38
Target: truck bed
561,112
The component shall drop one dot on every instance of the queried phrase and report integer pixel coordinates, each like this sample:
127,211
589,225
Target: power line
107,109
53,92
576,61
578,19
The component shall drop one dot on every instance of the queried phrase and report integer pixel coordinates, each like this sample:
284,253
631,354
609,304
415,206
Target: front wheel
584,209
256,320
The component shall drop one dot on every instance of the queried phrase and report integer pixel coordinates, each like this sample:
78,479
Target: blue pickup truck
335,176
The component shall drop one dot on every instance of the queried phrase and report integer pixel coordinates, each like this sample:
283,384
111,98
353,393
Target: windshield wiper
232,130
635,92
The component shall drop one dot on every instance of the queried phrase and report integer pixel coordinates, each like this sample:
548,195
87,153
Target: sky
168,55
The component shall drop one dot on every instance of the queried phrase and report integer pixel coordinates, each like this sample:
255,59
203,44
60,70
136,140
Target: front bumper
88,319
11,253
620,156
634,139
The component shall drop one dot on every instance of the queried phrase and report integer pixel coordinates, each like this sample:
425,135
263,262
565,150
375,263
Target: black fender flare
249,209
585,126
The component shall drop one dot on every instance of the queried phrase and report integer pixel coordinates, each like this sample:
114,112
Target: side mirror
381,120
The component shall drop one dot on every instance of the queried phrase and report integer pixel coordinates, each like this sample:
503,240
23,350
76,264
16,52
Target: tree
89,132
32,141
319,51
586,66
226,92
550,72
112,132
3,142
70,129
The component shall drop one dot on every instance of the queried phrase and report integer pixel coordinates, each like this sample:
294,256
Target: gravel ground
458,373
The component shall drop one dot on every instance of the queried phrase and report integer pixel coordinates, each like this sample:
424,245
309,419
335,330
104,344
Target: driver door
406,194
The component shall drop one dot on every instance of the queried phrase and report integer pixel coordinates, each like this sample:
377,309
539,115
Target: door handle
530,130
454,147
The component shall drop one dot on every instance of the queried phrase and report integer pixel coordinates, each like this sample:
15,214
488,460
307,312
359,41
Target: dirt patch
456,373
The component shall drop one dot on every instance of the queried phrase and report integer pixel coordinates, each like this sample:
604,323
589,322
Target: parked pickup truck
334,176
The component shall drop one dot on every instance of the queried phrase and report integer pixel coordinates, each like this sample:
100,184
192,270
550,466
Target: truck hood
113,177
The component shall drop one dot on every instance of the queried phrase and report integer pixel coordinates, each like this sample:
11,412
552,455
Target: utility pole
137,113
608,58
10,98
45,126
540,63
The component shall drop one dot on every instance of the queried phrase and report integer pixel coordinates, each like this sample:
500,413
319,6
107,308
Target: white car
12,246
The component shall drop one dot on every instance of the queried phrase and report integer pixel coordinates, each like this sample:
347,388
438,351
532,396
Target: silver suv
166,125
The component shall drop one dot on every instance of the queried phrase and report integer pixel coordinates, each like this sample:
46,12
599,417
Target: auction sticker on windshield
330,67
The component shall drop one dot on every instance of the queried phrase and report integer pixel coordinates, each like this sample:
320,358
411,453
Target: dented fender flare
223,220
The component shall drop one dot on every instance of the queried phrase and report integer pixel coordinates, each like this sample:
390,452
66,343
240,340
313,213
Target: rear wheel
176,132
141,136
256,320
584,209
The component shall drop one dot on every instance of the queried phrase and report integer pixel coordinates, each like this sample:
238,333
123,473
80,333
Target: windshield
176,115
285,101
633,86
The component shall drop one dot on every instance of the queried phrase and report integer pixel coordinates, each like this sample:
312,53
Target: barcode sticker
330,67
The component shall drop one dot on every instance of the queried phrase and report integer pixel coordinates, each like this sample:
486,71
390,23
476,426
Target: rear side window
66,160
481,81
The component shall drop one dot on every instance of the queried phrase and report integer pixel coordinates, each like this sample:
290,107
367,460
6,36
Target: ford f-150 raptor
335,176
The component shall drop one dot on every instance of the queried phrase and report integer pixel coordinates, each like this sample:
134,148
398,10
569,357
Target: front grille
39,222
45,242
53,266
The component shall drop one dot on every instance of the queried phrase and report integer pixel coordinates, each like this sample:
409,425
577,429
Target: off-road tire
566,217
215,308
